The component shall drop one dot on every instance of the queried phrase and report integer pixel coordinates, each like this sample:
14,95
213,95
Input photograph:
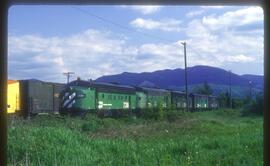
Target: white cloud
195,13
90,53
240,58
213,7
216,40
80,53
239,17
94,53
168,25
144,9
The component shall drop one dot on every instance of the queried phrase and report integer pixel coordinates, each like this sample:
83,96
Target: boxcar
152,97
39,97
56,89
85,96
13,96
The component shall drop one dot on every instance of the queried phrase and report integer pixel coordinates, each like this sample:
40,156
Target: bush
146,113
172,115
253,107
160,111
228,113
152,113
90,126
237,103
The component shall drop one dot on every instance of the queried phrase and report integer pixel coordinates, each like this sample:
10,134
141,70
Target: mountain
256,80
175,79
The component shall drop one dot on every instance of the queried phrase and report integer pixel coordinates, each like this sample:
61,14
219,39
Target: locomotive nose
68,99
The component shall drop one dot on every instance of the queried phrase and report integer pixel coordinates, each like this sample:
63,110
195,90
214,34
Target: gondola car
39,97
80,97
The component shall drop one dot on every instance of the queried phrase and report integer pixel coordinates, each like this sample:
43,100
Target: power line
194,51
68,74
130,29
125,27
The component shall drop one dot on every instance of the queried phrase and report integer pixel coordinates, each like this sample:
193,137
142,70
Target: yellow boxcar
13,96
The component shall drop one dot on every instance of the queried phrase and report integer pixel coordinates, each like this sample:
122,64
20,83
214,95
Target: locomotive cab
75,99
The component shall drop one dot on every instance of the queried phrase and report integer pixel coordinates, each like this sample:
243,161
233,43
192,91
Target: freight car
13,96
39,97
88,96
29,97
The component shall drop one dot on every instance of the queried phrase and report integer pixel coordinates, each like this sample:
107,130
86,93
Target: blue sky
45,41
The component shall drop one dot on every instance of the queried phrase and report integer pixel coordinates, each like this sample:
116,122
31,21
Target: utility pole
68,74
230,72
185,56
250,96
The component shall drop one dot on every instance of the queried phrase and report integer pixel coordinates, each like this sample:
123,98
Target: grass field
220,137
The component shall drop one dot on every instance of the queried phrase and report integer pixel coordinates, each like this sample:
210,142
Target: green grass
203,138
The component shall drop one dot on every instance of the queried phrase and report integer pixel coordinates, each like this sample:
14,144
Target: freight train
30,97
80,97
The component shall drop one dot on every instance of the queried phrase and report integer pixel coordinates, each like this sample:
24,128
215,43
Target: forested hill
196,75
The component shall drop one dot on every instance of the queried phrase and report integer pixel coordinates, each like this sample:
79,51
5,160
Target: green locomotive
87,96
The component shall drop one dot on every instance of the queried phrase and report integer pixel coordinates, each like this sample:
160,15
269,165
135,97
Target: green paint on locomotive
100,97
86,99
141,100
80,98
201,102
153,101
179,102
115,101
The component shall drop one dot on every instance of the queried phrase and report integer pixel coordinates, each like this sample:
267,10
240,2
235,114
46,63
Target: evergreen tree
205,89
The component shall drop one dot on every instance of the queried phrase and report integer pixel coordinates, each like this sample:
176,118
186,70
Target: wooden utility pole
250,86
68,74
230,88
185,56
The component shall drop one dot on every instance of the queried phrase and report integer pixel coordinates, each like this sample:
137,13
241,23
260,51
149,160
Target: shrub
91,126
171,115
253,107
147,113
152,113
160,114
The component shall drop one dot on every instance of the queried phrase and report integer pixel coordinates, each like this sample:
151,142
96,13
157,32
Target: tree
224,99
254,106
205,89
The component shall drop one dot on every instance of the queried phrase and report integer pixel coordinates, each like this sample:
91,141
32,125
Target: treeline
250,105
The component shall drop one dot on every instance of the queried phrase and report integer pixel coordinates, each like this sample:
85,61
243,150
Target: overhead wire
125,27
132,30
